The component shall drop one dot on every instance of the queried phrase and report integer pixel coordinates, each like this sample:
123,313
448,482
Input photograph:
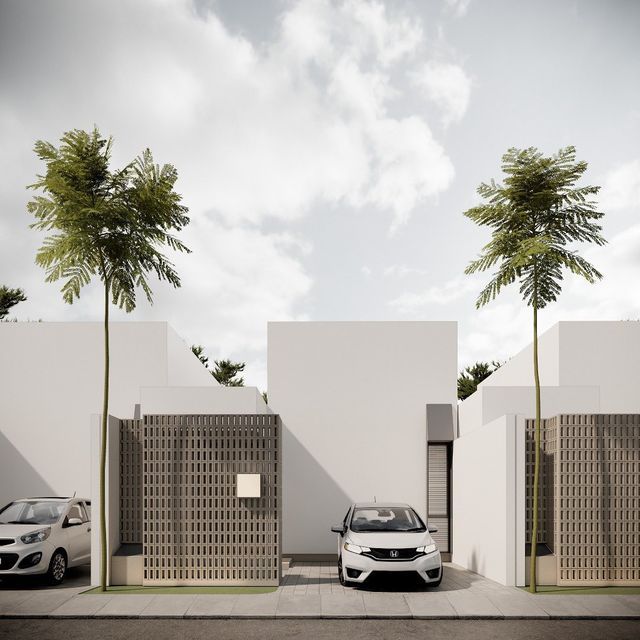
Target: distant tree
9,298
198,351
534,215
265,397
472,376
225,373
108,224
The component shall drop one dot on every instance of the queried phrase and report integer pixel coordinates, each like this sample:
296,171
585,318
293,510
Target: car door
78,535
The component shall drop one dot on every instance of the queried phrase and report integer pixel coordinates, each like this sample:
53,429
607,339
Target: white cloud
621,187
258,133
458,7
417,302
366,271
402,271
446,85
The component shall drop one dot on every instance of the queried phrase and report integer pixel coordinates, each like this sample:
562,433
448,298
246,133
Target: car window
77,511
32,512
88,509
369,519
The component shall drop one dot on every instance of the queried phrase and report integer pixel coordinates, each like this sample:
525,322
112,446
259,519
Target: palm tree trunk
103,446
536,455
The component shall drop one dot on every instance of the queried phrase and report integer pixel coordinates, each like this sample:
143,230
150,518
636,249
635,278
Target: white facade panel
352,398
603,354
486,500
51,382
201,400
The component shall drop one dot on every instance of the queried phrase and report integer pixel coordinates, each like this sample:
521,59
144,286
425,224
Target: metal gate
439,494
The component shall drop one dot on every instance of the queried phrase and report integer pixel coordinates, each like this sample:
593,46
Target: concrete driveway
312,590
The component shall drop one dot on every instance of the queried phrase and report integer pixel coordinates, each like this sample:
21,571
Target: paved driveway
312,590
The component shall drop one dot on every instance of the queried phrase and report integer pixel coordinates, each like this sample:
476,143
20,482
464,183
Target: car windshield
32,512
386,519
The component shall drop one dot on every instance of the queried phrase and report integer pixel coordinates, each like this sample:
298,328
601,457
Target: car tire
343,582
57,567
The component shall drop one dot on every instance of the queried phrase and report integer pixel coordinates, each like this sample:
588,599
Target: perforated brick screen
195,529
131,481
595,498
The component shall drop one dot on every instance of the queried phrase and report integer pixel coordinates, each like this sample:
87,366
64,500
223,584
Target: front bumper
10,565
366,566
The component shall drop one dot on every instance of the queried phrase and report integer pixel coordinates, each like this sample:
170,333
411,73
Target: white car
44,536
386,538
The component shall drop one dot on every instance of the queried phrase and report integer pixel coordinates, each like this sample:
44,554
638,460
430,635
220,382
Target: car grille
5,541
388,554
7,560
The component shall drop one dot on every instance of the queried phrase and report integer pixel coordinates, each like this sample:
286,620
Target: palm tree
105,224
534,216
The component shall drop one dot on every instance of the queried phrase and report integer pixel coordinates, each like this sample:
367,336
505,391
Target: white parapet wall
488,499
585,367
201,400
352,397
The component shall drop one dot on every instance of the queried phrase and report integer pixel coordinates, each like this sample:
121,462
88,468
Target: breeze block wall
591,484
131,481
195,529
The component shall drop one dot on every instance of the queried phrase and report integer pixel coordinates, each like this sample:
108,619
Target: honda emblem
393,553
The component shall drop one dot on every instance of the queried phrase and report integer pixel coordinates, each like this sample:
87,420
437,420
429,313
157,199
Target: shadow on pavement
76,577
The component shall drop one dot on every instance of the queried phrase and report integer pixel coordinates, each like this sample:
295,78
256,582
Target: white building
352,397
367,411
585,368
51,380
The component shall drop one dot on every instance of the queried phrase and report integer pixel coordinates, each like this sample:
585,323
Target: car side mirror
73,522
339,528
433,530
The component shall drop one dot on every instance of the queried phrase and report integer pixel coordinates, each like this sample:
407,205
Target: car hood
17,530
390,540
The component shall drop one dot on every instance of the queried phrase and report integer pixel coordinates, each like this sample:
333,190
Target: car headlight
430,548
35,536
355,548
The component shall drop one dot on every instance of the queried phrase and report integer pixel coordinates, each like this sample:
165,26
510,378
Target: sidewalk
312,590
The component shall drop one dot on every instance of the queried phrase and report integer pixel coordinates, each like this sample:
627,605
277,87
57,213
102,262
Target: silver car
44,536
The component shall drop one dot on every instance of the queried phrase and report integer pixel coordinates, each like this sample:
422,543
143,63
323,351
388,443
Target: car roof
51,499
380,505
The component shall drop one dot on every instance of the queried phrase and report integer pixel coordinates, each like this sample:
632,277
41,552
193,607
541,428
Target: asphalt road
318,629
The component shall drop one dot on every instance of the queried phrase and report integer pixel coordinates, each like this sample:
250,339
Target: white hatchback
378,537
44,536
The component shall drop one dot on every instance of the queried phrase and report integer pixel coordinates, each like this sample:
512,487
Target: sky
327,151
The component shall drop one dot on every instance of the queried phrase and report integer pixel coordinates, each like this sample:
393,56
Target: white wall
488,500
491,402
112,493
200,400
586,367
50,384
603,354
518,370
181,365
352,398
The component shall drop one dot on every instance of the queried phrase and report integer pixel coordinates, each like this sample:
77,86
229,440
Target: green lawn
183,590
607,591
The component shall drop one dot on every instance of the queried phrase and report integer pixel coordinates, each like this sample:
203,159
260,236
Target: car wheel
343,582
57,567
340,574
